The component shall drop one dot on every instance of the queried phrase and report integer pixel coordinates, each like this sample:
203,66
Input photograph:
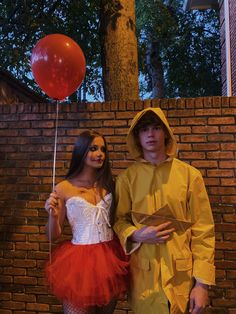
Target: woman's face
96,154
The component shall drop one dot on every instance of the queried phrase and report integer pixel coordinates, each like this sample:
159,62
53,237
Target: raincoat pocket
144,277
184,264
183,276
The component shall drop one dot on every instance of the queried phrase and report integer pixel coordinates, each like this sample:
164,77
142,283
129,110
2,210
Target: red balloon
58,65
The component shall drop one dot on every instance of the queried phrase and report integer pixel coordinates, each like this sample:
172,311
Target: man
171,269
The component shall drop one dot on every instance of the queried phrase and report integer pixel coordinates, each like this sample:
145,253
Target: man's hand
198,298
153,235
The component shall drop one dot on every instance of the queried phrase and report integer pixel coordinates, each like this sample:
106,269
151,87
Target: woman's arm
55,206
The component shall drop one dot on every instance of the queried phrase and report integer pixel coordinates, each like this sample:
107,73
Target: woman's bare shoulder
63,188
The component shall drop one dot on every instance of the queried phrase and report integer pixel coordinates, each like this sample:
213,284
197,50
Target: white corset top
89,223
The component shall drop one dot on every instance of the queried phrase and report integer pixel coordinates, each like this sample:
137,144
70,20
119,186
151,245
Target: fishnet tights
106,309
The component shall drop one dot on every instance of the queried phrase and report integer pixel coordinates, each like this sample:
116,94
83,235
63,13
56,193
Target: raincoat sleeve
203,235
124,226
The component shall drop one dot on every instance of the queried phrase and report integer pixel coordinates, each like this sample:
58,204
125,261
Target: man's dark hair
149,118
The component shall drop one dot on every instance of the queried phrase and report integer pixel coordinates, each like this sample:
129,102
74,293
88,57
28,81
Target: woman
89,272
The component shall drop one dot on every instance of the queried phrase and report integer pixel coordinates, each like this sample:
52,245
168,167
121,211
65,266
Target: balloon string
55,150
53,181
50,236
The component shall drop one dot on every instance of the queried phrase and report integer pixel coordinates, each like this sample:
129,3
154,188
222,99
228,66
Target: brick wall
205,129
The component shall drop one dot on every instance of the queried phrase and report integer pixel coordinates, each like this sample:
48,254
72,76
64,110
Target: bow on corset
101,212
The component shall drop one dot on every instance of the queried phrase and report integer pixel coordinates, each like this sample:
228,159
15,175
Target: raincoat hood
135,150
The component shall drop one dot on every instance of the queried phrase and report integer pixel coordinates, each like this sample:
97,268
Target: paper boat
159,217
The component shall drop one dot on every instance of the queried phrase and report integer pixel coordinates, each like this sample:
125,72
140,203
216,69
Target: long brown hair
104,179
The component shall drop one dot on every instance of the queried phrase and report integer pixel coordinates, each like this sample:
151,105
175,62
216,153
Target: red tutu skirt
88,275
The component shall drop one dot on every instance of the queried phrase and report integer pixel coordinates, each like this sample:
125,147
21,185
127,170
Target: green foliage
189,45
23,23
188,41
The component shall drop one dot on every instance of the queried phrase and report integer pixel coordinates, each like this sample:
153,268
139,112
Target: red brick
224,303
125,115
86,125
193,138
228,146
205,129
220,155
227,227
205,147
27,246
14,271
12,305
226,245
228,182
231,255
221,120
228,129
229,218
102,116
227,284
115,123
220,173
189,103
37,307
164,104
229,236
184,147
207,112
212,181
231,274
204,164
229,199
27,229
229,112
220,137
5,296
227,164
222,190
181,113
192,155
6,279
120,131
114,106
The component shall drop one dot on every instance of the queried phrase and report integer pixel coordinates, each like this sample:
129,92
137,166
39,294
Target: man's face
152,138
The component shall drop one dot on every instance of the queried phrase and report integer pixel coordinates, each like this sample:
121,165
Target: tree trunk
119,50
155,70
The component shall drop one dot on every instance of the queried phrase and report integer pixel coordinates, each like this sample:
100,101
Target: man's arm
202,245
203,234
130,236
124,226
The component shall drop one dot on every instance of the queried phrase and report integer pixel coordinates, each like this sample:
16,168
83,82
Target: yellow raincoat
163,273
